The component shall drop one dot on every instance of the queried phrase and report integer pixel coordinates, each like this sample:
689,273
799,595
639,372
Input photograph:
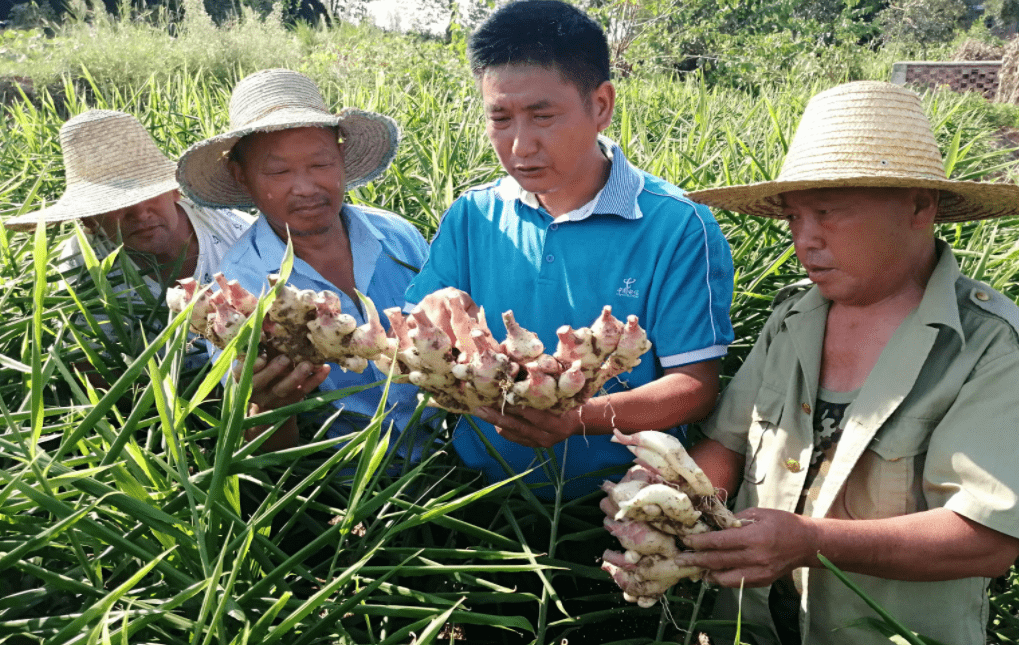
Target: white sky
383,10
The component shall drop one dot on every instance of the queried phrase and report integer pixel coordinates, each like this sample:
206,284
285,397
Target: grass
136,513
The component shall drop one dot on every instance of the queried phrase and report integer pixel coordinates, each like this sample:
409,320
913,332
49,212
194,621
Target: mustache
307,203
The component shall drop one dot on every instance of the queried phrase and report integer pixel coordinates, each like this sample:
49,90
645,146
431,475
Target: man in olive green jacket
874,421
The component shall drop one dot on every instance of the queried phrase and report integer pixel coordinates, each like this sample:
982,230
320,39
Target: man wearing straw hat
873,422
291,157
124,191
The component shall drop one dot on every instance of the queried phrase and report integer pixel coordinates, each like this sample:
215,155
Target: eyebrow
533,107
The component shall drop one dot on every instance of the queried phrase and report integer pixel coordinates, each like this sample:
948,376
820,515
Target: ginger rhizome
663,498
459,362
304,325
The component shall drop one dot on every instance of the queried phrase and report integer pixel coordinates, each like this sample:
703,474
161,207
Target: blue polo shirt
641,247
379,242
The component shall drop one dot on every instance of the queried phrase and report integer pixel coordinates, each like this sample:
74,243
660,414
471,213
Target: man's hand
436,306
275,384
769,545
533,428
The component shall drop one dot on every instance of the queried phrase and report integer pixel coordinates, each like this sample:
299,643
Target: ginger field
136,513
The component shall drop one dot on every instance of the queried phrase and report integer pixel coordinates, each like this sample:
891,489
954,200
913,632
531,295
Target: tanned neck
184,250
328,252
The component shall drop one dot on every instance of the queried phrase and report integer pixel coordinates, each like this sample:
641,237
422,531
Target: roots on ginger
660,500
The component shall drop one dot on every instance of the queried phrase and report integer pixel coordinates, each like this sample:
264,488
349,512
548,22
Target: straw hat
866,134
110,162
279,99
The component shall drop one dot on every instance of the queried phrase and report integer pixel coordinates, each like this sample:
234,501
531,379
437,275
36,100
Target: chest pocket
887,481
761,442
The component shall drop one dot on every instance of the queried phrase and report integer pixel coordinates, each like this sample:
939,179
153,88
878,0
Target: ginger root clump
463,367
302,324
663,498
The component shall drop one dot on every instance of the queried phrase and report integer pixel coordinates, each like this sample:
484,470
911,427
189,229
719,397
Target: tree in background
719,37
922,22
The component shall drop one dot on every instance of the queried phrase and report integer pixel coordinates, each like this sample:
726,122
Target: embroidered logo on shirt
626,291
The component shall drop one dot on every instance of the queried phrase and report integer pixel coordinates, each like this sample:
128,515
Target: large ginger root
456,359
663,498
301,324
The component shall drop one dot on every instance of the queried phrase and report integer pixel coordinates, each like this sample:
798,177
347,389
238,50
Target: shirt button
982,296
550,258
554,227
806,408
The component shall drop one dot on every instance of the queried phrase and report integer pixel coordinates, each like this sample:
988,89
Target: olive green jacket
934,425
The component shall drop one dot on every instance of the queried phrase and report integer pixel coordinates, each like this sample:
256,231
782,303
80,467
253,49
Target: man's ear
90,224
925,207
237,172
603,102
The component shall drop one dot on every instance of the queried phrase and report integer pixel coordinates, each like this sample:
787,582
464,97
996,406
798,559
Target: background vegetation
135,513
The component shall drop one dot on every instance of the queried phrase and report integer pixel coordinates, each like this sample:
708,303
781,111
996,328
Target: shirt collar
365,246
617,197
939,305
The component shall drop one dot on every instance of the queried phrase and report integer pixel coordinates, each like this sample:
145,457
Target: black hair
546,33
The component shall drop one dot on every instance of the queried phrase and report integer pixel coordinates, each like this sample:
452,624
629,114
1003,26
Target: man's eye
543,117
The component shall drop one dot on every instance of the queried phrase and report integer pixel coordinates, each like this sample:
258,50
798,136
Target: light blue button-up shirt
379,242
641,247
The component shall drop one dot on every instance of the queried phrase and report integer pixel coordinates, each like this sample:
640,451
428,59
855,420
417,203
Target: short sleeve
729,424
690,311
970,466
447,260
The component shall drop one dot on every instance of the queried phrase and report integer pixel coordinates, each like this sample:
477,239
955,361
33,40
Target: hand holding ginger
533,428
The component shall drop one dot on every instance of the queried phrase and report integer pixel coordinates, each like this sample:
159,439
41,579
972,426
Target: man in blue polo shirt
575,227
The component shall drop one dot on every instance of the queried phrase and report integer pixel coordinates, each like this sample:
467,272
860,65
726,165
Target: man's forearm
678,397
938,544
723,467
286,436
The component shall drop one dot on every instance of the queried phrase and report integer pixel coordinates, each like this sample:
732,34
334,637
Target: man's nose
806,233
142,212
303,184
525,143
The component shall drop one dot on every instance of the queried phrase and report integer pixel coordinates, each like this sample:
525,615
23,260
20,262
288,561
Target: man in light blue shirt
381,244
575,227
288,155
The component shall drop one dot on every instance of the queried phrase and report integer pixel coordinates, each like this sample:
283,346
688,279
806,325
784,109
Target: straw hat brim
86,199
961,201
370,142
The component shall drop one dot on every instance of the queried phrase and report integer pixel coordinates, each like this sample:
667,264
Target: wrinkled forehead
842,193
289,142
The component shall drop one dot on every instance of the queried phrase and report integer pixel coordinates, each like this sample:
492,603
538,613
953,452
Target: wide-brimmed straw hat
866,134
279,99
110,162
